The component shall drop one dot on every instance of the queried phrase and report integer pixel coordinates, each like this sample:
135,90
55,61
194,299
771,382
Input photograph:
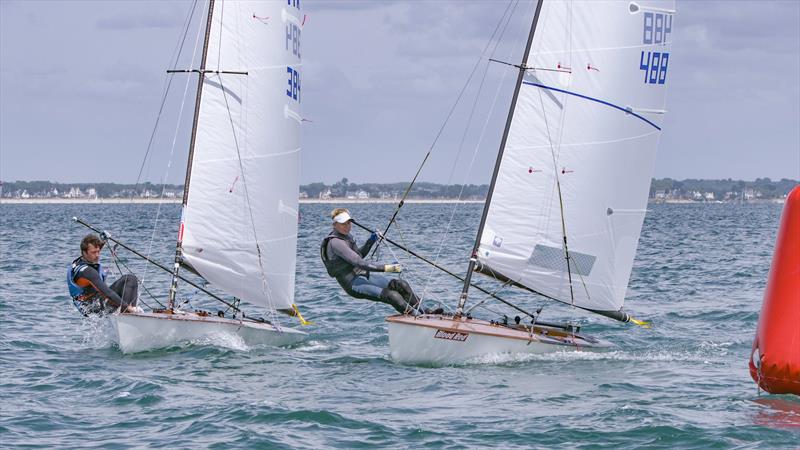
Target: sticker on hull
451,335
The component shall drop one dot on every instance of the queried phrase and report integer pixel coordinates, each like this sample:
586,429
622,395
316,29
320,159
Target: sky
81,84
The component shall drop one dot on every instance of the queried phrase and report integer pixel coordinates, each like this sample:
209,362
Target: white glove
395,268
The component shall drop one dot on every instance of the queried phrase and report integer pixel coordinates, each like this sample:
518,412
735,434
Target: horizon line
383,182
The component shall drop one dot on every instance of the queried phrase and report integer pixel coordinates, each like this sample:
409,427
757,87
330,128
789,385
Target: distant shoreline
343,201
155,201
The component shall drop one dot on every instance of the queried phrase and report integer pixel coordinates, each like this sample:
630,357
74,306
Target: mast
173,289
474,257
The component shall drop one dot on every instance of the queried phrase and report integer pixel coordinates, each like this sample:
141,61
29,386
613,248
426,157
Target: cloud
380,77
344,5
124,20
738,26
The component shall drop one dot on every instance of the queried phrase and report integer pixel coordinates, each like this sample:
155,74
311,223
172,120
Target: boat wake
314,347
222,340
95,333
98,333
571,356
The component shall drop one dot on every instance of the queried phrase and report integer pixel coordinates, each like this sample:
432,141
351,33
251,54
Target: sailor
344,261
87,286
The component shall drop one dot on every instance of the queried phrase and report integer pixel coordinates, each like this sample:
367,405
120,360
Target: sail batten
240,223
570,193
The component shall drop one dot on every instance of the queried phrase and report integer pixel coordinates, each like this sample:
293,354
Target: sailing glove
396,268
374,236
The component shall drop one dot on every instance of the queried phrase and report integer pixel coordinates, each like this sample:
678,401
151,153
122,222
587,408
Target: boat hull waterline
138,332
443,339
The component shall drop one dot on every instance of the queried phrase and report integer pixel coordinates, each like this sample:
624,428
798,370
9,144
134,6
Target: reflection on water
779,412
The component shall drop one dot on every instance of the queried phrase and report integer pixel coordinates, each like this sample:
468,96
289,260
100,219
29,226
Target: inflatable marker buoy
775,358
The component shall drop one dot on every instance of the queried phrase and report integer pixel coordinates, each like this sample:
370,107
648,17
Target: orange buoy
775,358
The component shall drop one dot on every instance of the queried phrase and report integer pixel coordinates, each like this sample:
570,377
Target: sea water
699,276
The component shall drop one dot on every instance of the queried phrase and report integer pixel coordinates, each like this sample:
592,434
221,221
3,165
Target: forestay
243,193
589,116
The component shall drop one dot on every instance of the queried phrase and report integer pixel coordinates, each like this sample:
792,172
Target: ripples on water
699,276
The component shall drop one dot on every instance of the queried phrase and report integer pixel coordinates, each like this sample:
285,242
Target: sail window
553,258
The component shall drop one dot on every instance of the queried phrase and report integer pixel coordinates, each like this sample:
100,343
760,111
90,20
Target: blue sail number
654,65
656,30
293,91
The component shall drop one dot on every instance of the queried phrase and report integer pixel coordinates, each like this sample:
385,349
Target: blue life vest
78,292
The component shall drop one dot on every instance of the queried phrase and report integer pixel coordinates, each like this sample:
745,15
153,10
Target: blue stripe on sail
626,111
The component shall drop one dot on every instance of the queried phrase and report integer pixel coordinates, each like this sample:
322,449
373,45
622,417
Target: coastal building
325,195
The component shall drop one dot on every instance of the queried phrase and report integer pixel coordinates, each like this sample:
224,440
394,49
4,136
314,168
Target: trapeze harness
86,298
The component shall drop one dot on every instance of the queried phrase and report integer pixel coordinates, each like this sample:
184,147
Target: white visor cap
343,217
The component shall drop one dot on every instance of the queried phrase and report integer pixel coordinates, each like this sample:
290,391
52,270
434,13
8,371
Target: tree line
765,188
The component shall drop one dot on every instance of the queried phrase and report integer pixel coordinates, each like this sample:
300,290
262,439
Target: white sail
243,192
588,115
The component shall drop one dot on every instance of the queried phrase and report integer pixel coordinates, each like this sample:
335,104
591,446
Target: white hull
441,339
139,332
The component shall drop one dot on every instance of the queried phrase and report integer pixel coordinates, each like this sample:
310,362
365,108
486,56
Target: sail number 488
293,91
654,65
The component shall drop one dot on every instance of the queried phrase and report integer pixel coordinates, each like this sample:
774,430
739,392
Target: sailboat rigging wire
519,66
496,291
173,288
477,145
174,137
117,261
405,272
176,54
445,270
444,124
484,307
474,256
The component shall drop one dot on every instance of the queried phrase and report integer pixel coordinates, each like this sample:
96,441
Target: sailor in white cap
344,260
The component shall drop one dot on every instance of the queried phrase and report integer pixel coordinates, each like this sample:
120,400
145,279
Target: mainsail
571,189
239,224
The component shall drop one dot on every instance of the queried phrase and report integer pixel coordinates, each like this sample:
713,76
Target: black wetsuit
97,296
344,261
